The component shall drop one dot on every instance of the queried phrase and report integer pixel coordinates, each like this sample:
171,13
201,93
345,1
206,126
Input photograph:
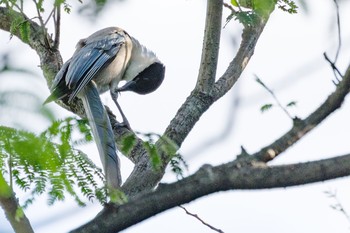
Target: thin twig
334,68
338,206
198,218
336,72
339,31
21,5
273,96
302,126
42,24
50,15
230,7
57,23
39,14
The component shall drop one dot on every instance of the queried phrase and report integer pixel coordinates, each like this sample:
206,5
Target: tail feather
103,134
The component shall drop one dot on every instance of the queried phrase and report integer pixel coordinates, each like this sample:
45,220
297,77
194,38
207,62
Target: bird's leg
125,123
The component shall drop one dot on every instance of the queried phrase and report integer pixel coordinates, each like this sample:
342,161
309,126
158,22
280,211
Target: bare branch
207,180
274,97
302,127
49,17
338,206
230,7
333,64
211,42
334,69
57,23
339,30
39,14
201,220
51,61
250,37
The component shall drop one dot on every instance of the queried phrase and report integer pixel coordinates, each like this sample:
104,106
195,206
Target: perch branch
207,180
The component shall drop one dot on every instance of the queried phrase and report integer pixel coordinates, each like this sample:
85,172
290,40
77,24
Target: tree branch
9,203
144,178
302,127
250,37
201,220
57,23
207,180
50,59
211,44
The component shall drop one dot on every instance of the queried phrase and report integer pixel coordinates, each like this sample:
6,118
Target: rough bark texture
207,180
246,172
211,43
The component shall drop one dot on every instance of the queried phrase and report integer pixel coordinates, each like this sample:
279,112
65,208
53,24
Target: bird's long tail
103,134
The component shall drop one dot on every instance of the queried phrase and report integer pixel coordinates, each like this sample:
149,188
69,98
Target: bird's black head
147,81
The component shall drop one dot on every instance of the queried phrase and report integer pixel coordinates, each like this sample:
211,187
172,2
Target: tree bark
247,174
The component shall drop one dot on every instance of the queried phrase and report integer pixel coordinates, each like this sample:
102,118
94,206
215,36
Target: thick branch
190,112
302,127
198,102
9,203
207,180
211,43
250,37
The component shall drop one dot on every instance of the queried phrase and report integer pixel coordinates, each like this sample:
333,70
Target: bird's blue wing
58,88
89,60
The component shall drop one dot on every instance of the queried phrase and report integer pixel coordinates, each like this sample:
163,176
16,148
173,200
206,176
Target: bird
99,63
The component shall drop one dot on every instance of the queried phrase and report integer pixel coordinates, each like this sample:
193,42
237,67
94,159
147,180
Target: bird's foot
123,125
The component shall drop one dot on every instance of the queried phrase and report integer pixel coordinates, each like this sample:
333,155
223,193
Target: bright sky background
288,58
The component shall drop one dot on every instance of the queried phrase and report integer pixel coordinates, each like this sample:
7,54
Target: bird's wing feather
90,59
58,88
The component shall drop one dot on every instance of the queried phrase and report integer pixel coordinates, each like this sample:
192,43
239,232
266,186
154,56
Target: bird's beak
129,86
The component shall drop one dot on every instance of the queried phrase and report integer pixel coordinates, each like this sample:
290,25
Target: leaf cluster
167,149
39,5
48,163
249,12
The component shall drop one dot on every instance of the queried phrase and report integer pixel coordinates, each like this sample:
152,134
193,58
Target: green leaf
247,3
19,214
24,30
291,104
288,6
264,7
234,3
178,164
248,18
39,6
154,155
128,143
22,25
266,107
168,146
5,189
40,166
118,197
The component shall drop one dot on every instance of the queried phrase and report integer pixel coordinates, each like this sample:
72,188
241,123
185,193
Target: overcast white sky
288,59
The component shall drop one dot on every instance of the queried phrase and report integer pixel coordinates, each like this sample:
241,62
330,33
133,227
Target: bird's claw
123,125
